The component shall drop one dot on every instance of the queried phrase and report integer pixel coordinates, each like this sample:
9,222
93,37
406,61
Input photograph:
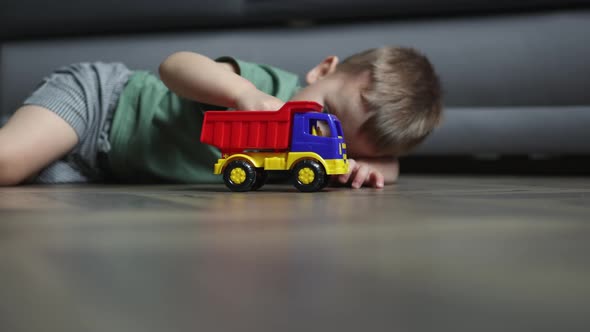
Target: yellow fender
220,166
294,157
332,166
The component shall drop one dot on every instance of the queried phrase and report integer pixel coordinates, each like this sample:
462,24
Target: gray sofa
516,74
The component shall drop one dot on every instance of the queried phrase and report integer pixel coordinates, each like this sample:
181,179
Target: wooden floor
431,253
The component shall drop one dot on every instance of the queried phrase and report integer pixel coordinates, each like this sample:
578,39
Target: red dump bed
236,131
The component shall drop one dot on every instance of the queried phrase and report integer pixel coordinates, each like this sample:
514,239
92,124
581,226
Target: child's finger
352,167
343,178
361,175
376,179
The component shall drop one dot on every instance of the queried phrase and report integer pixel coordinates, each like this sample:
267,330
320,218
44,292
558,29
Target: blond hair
403,97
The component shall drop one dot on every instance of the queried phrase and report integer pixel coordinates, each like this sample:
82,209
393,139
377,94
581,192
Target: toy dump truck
298,138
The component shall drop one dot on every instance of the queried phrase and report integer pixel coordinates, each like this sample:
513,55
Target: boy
92,122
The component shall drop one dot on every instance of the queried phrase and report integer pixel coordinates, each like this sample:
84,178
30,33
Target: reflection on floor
427,254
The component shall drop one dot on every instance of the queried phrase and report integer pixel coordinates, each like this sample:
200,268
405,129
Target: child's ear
327,66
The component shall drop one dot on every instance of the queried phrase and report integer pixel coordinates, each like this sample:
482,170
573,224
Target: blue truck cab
319,133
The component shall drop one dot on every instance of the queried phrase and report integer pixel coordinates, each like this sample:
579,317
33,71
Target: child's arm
374,172
33,138
197,77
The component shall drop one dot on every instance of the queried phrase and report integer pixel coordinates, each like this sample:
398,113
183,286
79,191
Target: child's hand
361,173
256,100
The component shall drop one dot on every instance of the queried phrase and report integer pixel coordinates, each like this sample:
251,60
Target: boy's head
388,99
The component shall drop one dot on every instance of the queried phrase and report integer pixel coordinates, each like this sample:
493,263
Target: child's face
340,93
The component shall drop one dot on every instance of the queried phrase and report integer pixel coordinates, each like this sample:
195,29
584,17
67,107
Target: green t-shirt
155,133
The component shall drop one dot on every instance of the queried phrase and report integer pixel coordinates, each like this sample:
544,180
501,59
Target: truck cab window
319,128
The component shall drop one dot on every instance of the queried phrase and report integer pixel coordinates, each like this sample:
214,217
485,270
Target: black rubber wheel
261,177
239,175
309,176
326,182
